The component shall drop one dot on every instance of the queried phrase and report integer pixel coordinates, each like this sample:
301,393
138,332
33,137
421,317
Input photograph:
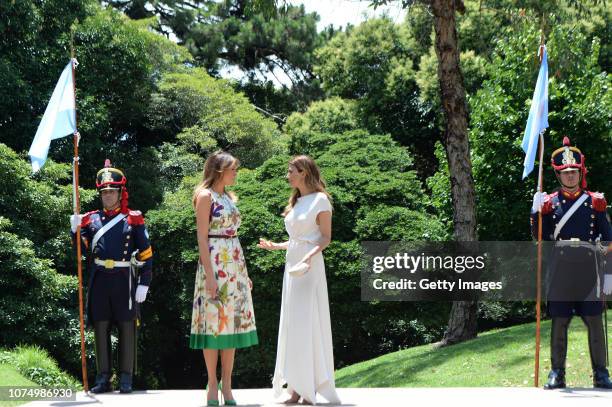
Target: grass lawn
31,366
497,358
9,376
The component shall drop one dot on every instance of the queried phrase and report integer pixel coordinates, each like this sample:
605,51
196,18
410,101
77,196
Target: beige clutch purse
299,269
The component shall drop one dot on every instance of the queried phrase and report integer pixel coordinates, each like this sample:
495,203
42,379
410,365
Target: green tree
462,320
206,114
473,65
331,116
260,42
374,65
579,106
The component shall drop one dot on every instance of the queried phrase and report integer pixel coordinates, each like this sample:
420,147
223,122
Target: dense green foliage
38,305
35,364
268,45
374,65
209,116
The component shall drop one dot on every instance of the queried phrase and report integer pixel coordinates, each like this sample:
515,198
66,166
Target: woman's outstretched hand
266,244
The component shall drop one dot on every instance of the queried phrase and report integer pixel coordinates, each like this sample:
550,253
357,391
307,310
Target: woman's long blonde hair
313,180
214,166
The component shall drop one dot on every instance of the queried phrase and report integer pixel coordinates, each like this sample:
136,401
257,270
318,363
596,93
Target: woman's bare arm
268,245
202,209
324,220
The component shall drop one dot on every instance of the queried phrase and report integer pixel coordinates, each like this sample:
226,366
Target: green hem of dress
243,340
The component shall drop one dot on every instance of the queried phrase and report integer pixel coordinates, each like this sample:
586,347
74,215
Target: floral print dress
227,321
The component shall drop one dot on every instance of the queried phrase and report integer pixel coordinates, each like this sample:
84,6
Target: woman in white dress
304,357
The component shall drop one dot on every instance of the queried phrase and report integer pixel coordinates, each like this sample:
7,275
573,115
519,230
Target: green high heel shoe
213,403
227,402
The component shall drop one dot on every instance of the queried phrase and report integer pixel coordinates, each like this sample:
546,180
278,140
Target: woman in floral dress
223,317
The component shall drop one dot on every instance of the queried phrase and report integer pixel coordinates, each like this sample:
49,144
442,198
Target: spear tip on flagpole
542,43
541,51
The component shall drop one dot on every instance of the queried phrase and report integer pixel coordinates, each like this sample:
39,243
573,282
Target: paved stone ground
360,397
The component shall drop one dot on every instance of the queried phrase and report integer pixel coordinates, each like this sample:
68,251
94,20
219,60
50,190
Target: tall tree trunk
462,320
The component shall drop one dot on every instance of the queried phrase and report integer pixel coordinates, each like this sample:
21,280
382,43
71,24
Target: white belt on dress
298,240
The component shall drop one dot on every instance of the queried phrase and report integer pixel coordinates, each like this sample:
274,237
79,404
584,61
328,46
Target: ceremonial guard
579,275
120,264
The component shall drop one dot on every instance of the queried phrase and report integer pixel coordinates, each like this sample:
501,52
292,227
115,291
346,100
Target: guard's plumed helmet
568,158
110,178
113,178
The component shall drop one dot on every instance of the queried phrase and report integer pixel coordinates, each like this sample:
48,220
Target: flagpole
539,268
539,272
77,210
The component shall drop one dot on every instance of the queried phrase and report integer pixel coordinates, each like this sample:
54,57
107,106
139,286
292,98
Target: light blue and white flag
59,119
538,116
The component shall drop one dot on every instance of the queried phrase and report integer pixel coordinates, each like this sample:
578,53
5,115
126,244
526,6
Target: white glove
141,293
538,201
607,288
75,221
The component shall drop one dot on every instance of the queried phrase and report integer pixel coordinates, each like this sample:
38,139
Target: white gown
304,357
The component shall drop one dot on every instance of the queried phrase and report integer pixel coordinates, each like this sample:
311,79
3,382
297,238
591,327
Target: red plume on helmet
124,201
566,142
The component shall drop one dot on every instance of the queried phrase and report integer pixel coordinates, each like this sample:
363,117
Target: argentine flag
538,116
59,119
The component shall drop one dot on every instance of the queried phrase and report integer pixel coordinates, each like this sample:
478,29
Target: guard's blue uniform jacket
589,223
109,279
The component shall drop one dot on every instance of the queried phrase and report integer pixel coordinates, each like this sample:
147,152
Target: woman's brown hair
313,180
214,166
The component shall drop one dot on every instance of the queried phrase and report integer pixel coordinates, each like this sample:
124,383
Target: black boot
556,379
125,383
127,349
103,356
597,350
102,385
601,378
558,352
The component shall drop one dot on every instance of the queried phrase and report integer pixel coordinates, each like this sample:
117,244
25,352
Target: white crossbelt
569,214
110,264
105,229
